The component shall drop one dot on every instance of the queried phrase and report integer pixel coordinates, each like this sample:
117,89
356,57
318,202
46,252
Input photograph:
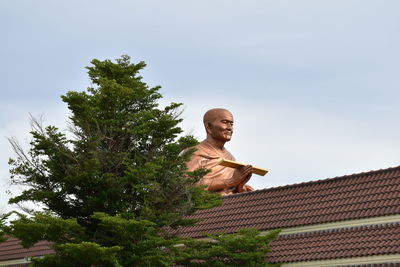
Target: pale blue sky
314,85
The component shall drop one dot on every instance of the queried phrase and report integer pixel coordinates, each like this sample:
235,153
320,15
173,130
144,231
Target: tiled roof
374,265
346,198
336,244
356,196
17,265
11,249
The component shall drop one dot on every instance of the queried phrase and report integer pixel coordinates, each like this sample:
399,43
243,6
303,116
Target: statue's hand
244,188
241,176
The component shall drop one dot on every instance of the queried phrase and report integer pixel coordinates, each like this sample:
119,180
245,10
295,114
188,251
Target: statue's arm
214,184
238,179
220,181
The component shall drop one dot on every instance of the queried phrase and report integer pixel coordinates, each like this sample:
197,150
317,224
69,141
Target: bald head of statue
218,123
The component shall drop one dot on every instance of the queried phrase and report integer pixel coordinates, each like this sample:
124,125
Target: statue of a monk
225,180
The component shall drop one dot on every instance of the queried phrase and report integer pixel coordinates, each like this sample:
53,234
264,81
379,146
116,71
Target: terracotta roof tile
335,244
364,195
374,265
18,265
356,196
11,249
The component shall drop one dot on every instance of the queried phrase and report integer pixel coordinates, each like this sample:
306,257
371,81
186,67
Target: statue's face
221,127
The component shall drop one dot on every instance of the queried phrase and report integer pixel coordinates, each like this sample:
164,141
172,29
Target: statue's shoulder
205,150
202,145
228,155
198,150
201,148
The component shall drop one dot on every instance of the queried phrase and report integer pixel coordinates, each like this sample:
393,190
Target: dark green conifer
115,181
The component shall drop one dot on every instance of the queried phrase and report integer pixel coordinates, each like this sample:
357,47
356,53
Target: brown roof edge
363,241
343,229
319,181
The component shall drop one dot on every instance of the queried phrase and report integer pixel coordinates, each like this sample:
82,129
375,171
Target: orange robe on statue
206,156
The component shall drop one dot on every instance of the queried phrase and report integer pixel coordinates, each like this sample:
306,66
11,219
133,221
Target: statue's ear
208,128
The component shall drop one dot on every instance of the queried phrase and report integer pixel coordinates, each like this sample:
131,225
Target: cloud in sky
313,85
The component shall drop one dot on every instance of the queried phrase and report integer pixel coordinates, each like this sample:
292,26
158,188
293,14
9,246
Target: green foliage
85,254
115,182
3,226
44,226
123,155
244,248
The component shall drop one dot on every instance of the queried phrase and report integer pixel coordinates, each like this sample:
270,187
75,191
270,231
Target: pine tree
114,182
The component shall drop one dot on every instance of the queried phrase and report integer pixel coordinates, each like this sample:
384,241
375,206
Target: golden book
235,164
